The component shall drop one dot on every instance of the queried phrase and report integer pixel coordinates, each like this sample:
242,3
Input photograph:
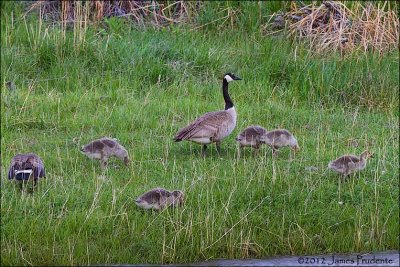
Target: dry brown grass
158,13
332,26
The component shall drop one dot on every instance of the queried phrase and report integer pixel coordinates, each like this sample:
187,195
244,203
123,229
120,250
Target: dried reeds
158,13
332,26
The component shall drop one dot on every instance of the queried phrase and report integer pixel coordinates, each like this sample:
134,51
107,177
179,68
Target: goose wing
207,125
345,161
24,162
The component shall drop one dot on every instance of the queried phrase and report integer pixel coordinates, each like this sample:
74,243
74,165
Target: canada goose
348,164
160,198
26,167
279,138
105,148
212,127
251,137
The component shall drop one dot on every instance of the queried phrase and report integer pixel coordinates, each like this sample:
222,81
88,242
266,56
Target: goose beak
237,78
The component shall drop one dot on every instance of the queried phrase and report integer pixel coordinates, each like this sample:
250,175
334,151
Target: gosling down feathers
160,198
348,164
25,167
279,138
251,136
212,127
104,148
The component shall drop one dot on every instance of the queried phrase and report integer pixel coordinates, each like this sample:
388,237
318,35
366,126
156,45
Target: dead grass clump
332,26
158,13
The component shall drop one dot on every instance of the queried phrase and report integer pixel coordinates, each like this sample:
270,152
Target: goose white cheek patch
228,78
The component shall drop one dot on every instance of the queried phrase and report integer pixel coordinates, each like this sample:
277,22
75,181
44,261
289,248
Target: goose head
263,138
296,148
231,77
122,153
178,197
367,154
127,161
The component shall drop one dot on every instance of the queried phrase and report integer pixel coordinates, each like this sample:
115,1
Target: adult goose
26,167
212,127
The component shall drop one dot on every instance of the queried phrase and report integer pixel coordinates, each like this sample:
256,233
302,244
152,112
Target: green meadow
141,86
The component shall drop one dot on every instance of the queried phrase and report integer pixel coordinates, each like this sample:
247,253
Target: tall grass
74,84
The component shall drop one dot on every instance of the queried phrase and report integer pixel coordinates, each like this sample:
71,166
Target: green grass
141,87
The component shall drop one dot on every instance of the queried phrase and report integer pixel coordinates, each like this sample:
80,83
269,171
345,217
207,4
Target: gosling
104,148
25,168
160,198
348,164
251,137
279,138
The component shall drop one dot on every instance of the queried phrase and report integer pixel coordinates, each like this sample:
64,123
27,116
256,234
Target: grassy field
142,87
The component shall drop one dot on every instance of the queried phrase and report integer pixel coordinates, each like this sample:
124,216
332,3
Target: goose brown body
209,128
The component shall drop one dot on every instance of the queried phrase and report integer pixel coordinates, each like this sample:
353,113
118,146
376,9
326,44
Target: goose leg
239,150
203,150
274,151
255,151
345,176
218,144
103,162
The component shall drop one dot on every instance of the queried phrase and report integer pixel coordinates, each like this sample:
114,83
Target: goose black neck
227,98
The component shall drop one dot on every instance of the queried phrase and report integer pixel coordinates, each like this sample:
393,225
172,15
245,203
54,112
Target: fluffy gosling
104,148
251,137
279,138
160,198
25,168
348,164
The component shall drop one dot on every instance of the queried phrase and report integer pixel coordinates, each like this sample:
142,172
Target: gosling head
127,161
366,155
296,148
263,138
178,197
123,154
231,77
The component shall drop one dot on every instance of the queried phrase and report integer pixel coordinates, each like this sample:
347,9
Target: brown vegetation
330,26
157,12
333,26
